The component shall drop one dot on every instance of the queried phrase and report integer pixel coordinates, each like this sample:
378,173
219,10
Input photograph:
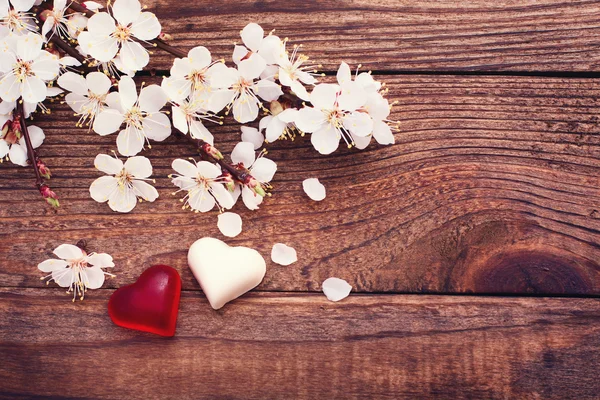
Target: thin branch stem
39,181
67,48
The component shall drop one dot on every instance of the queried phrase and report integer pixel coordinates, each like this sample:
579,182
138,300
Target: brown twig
39,181
67,48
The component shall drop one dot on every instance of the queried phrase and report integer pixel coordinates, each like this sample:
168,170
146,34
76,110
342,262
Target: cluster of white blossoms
268,84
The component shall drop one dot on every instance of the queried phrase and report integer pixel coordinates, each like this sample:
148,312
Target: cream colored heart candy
225,273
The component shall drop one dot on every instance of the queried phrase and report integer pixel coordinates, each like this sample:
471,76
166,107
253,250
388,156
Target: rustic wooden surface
493,187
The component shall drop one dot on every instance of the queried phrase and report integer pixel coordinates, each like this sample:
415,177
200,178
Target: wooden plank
302,346
401,35
492,187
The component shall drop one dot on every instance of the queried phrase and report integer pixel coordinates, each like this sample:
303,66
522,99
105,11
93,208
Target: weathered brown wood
493,187
302,346
405,35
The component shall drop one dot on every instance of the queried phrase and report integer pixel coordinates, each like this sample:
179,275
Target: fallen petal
230,224
283,254
336,289
314,189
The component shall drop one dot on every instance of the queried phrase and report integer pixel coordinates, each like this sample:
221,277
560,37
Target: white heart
225,273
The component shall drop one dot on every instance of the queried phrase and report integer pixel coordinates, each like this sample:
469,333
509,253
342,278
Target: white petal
239,52
152,98
326,139
253,136
103,50
179,119
126,11
275,129
220,99
33,90
243,152
336,289
343,74
101,260
309,119
36,134
208,170
98,83
382,133
92,5
268,90
245,108
29,46
230,224
361,142
176,89
73,83
134,56
352,97
122,200
314,189
157,127
46,67
145,190
264,169
184,167
52,265
18,155
200,200
113,99
324,96
101,24
146,27
283,254
377,106
251,200
10,89
199,57
63,277
222,195
272,49
252,67
358,123
22,5
130,141
367,82
252,36
300,90
128,92
3,148
68,252
139,167
221,76
93,277
107,122
288,115
103,187
68,61
199,131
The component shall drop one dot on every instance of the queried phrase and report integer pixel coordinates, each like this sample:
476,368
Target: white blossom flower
76,270
142,116
294,75
375,105
124,184
106,38
336,289
280,125
335,115
88,95
203,185
25,68
314,189
187,117
230,224
262,169
269,48
57,22
194,75
243,95
13,145
252,135
283,254
17,18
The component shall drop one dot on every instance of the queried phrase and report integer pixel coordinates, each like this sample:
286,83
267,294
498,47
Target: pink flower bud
44,170
227,180
165,37
212,151
255,185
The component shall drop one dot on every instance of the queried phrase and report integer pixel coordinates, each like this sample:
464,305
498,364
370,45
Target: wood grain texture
401,35
304,347
492,187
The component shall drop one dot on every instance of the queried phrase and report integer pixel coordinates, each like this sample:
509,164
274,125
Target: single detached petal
253,136
152,98
52,265
68,252
93,277
230,224
139,167
336,289
243,153
144,190
314,189
107,164
252,36
283,254
102,188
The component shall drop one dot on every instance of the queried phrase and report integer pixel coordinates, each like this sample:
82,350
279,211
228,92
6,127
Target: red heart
151,304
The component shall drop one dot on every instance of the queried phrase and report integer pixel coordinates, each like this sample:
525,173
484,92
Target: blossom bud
212,151
45,14
275,107
49,195
227,180
15,127
256,187
5,128
44,170
165,37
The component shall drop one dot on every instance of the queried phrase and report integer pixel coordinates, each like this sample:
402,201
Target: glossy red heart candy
151,304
